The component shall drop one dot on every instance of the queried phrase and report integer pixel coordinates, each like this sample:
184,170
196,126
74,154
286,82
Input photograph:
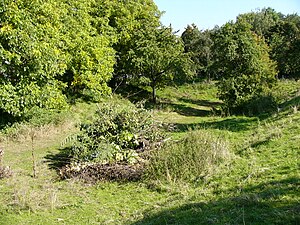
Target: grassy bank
259,184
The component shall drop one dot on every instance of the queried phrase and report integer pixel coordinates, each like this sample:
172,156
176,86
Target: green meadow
251,177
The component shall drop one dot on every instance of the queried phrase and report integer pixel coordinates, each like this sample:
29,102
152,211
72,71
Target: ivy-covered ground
258,184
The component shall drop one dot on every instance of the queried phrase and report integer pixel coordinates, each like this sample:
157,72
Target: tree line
247,56
54,51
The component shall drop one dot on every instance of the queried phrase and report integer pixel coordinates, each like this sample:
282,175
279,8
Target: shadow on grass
230,124
201,102
256,144
58,160
183,109
289,107
268,203
134,94
290,103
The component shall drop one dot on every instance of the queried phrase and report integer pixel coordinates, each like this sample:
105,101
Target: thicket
54,51
49,48
117,133
247,72
119,136
246,57
282,34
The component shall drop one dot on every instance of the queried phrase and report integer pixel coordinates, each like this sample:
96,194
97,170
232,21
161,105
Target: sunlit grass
258,185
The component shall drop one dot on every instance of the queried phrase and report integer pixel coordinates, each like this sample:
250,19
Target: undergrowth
213,170
118,131
190,159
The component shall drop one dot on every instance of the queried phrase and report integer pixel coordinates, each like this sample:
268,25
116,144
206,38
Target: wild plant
196,155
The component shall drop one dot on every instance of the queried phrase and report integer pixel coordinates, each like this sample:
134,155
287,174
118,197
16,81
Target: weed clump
195,156
4,171
112,145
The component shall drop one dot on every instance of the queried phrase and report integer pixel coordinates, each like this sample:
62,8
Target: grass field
260,184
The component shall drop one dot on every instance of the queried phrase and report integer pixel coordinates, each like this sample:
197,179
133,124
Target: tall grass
42,123
195,156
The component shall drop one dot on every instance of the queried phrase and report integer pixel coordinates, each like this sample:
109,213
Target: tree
244,63
126,18
31,59
284,40
47,47
262,20
87,43
282,34
199,45
158,56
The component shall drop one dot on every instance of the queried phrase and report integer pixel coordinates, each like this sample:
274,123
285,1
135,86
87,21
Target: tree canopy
199,46
284,40
157,56
53,50
244,64
30,58
248,55
281,32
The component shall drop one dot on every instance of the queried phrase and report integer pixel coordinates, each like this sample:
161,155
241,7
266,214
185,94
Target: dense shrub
50,48
258,105
193,157
117,133
244,64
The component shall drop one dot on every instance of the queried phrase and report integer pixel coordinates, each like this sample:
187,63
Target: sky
208,13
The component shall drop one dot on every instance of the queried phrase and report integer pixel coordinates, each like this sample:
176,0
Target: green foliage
262,20
282,33
67,48
260,104
195,156
126,18
30,57
199,45
19,100
88,47
50,47
284,40
244,64
158,56
115,134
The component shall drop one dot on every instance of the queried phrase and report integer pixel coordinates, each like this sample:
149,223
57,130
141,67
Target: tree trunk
153,94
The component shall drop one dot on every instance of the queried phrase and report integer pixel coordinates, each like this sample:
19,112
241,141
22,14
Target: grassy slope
259,186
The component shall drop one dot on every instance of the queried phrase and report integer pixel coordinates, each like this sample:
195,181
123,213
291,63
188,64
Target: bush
261,104
118,133
247,72
193,157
